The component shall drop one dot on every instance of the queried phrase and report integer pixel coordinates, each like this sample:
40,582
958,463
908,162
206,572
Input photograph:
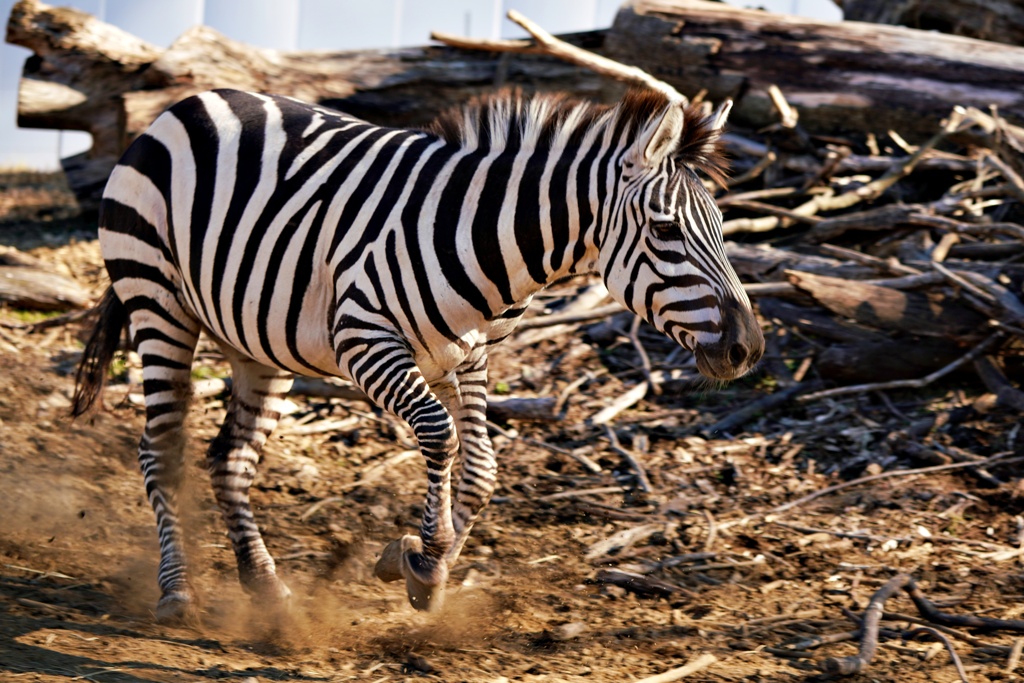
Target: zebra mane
545,119
699,146
538,120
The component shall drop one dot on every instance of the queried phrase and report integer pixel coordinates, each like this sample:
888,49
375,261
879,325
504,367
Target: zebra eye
665,229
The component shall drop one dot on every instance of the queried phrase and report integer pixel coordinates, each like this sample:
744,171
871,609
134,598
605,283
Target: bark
88,75
28,283
841,76
1001,21
887,359
930,314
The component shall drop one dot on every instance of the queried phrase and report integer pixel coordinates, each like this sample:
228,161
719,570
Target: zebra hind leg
166,346
478,472
257,395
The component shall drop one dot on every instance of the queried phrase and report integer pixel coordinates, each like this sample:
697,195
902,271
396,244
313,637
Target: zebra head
661,254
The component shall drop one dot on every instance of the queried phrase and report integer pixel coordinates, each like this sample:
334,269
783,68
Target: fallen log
884,218
88,75
929,314
39,290
841,75
1001,21
816,322
852,353
91,76
498,407
764,262
28,283
886,359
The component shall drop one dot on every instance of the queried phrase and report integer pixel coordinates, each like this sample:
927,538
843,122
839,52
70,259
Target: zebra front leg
479,470
422,560
257,392
386,371
166,346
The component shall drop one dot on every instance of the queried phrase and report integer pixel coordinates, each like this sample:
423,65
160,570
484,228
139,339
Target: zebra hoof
424,578
177,609
268,589
424,581
424,596
389,566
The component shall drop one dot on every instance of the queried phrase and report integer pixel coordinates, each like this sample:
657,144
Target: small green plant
502,388
955,524
118,367
32,317
206,372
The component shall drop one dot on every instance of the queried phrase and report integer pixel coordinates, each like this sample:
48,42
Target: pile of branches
879,265
902,263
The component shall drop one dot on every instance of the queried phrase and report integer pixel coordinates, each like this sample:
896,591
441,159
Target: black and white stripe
307,241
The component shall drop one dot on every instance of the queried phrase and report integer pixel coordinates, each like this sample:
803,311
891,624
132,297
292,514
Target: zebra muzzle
739,349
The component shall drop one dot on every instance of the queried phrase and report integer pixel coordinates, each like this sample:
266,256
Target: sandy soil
532,598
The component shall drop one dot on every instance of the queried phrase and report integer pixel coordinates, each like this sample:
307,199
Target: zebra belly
268,339
443,356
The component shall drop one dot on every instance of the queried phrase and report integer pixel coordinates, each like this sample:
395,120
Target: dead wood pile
900,263
91,76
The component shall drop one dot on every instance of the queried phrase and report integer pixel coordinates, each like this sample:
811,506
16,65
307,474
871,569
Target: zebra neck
549,235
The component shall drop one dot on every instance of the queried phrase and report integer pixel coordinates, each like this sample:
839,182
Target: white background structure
306,25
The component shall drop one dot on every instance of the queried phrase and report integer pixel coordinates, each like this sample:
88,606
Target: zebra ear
660,137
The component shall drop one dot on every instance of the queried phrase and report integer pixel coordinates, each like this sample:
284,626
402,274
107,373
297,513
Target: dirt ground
718,567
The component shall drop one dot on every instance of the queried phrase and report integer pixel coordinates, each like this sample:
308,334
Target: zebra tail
99,352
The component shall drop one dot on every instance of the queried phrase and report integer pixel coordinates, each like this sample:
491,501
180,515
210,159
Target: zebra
307,241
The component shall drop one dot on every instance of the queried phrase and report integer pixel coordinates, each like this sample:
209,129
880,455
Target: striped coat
307,241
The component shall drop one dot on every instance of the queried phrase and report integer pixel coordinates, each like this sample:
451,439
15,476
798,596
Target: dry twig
885,475
548,44
634,337
634,462
908,383
699,664
953,656
623,402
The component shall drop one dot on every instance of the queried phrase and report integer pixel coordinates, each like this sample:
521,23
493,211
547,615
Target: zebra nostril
737,354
